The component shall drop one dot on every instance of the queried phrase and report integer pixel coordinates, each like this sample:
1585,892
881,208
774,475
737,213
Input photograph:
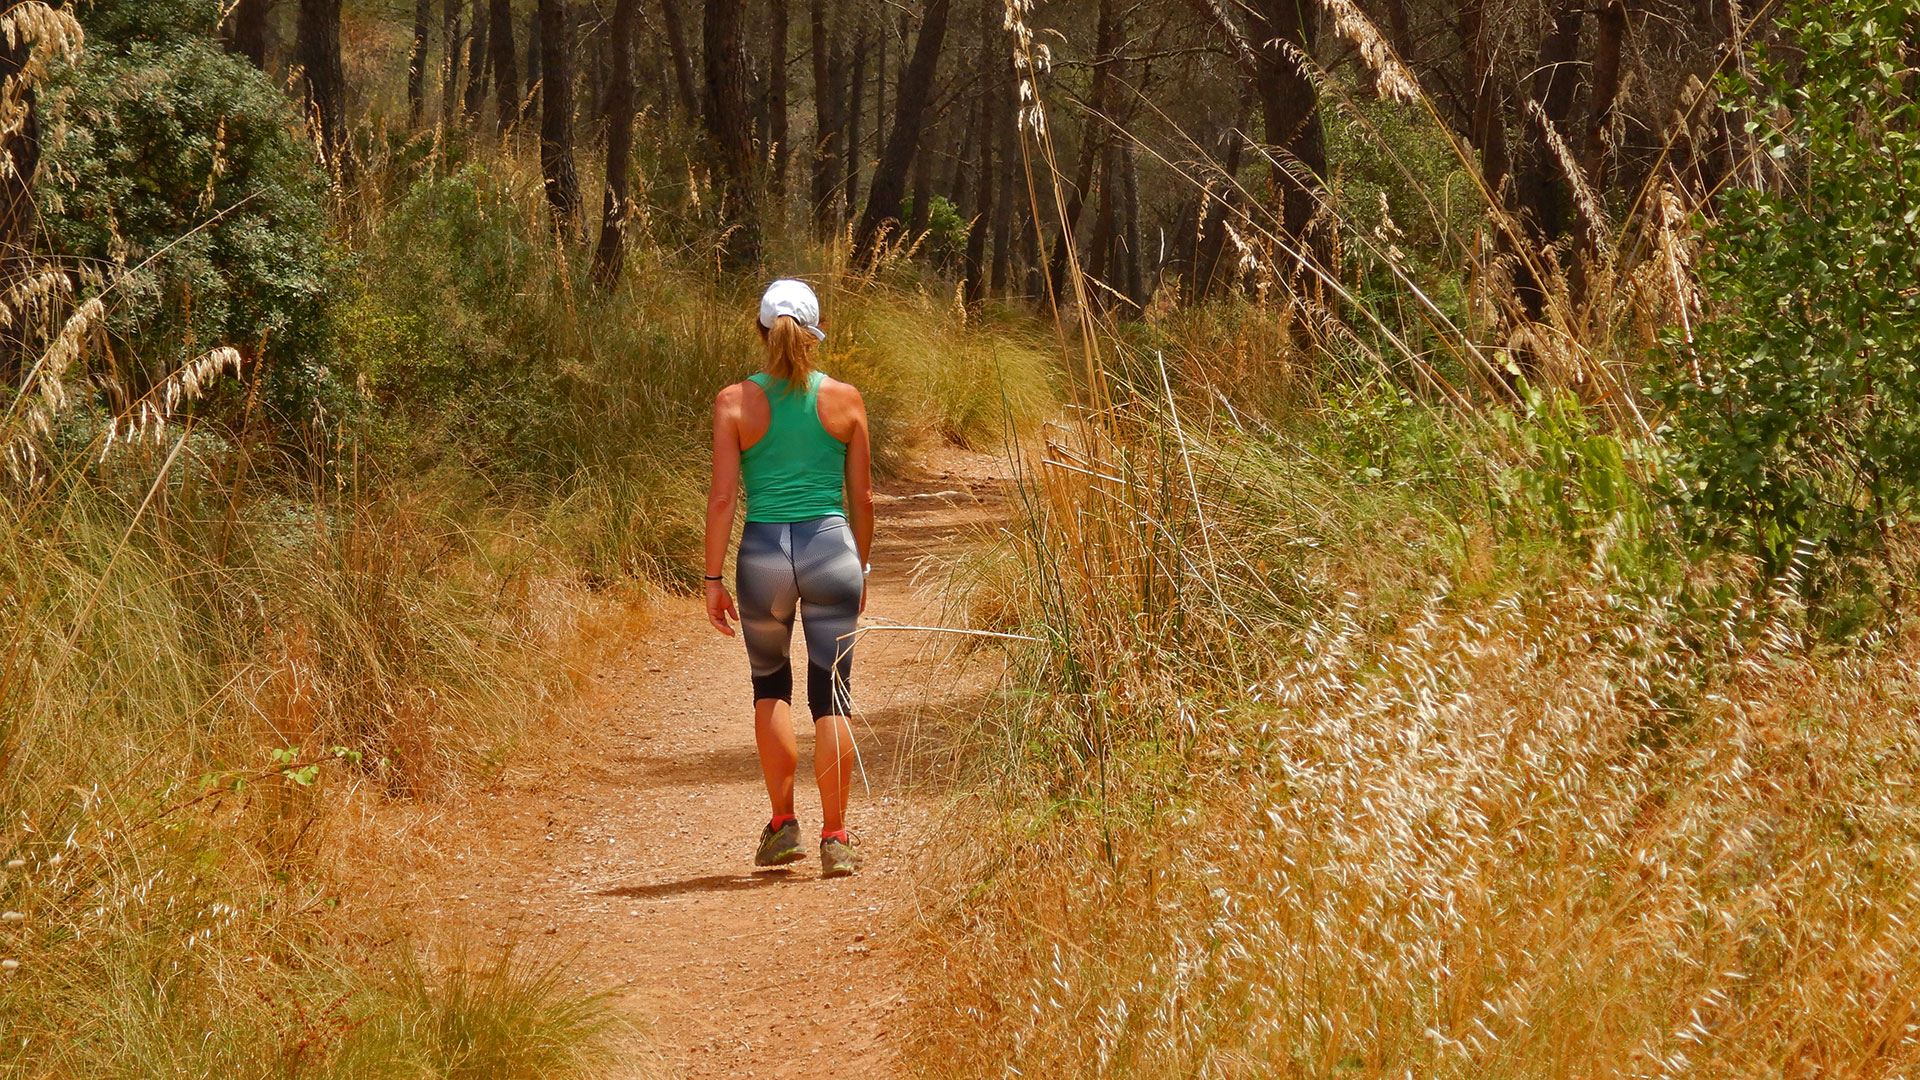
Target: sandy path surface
634,844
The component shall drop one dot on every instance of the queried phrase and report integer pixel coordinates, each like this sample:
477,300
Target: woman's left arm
860,486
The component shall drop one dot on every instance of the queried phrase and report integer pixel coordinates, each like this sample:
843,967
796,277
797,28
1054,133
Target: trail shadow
736,760
705,883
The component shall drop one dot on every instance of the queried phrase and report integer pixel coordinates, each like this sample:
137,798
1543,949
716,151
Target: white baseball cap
794,299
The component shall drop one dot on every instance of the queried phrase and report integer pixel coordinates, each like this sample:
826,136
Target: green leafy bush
114,25
946,235
1794,412
180,170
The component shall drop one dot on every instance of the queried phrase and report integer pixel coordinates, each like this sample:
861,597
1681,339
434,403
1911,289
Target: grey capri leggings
814,565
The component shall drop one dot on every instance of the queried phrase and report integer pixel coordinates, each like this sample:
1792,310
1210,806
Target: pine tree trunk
1003,207
827,120
1611,32
1542,192
506,77
1487,128
1291,108
1210,244
922,192
1132,277
451,64
857,95
477,58
1101,246
556,117
245,30
730,125
910,117
417,60
983,200
777,100
1106,43
529,95
316,50
607,261
676,29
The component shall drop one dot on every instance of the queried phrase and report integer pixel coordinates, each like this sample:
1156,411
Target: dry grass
1304,806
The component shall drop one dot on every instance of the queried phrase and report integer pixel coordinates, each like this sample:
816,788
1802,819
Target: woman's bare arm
860,484
723,496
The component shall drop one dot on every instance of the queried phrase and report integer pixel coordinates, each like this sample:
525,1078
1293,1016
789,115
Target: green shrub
113,25
946,228
1794,412
180,169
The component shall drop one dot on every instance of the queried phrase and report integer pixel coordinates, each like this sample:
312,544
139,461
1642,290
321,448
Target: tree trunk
983,199
922,192
506,78
477,55
417,60
857,95
910,116
316,50
1102,244
246,30
1132,280
528,96
591,47
1542,192
1487,126
1292,114
1106,41
607,261
1210,244
729,124
777,100
1611,32
1004,206
827,117
676,28
450,65
1277,31
956,179
556,117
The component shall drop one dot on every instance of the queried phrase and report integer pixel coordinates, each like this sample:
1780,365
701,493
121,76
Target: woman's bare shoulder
839,393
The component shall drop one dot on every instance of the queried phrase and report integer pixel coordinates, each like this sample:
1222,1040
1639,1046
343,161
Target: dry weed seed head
1391,76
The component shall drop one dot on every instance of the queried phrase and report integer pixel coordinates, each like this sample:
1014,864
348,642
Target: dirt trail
635,846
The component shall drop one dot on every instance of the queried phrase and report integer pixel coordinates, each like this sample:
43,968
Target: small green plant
1574,480
946,232
1794,408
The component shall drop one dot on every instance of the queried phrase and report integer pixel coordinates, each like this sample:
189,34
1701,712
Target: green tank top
797,471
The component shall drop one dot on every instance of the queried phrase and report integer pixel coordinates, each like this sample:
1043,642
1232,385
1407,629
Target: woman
797,441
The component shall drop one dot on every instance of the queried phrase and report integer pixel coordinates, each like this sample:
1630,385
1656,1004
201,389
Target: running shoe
838,857
778,847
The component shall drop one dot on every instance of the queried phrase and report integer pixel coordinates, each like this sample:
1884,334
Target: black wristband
722,577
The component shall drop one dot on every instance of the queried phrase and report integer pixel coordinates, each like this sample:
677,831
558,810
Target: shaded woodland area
1187,140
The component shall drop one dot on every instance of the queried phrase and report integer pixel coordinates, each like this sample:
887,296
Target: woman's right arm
723,495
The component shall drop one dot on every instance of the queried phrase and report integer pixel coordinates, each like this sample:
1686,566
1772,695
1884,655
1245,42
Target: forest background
1466,478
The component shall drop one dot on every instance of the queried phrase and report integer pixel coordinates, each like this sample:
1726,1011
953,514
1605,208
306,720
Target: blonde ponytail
790,352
